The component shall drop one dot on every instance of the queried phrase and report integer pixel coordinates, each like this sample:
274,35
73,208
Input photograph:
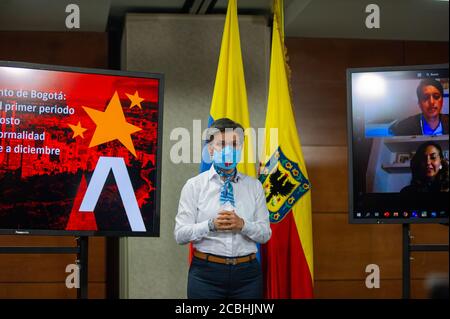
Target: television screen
80,151
398,144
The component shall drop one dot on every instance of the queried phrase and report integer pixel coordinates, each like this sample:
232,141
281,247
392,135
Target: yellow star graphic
112,125
135,100
77,130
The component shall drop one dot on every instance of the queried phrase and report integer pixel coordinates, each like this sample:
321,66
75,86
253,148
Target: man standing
224,214
430,122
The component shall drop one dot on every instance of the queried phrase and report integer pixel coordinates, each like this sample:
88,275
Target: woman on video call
429,170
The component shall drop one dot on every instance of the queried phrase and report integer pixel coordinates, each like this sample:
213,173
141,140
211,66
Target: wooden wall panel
356,289
34,267
342,251
429,234
49,290
82,49
327,59
425,53
51,267
42,276
327,171
426,264
31,241
322,115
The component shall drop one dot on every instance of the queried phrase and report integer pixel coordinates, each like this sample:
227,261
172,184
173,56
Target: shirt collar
427,130
212,173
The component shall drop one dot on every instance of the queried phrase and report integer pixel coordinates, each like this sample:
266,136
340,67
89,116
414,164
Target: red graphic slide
55,126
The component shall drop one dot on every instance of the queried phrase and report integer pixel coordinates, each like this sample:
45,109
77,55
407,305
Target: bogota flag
288,256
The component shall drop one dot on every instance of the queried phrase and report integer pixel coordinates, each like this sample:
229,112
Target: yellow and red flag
288,256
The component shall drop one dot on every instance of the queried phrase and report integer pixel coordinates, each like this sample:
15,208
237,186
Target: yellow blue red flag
230,94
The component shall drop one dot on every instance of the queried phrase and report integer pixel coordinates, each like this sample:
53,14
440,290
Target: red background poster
54,127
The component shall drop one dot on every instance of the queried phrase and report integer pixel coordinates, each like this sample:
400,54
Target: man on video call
430,95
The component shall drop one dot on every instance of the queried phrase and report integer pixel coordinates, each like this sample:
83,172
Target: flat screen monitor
80,151
398,144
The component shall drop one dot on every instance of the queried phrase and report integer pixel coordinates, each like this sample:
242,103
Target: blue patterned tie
226,193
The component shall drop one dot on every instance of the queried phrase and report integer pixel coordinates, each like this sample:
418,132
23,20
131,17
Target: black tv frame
350,129
155,231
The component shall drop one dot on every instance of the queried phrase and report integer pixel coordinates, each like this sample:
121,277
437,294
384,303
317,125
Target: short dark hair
223,124
427,82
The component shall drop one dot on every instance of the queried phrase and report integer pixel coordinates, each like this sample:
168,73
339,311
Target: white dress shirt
200,201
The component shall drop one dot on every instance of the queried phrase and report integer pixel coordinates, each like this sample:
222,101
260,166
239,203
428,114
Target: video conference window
400,140
404,112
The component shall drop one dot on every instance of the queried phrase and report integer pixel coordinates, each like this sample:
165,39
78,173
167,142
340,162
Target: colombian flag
230,95
288,256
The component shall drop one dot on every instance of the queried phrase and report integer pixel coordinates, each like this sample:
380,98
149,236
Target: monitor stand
81,250
407,249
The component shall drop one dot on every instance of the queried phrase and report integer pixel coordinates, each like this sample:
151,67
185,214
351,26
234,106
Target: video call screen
399,144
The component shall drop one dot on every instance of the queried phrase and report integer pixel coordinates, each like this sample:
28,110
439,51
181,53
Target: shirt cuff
202,229
248,227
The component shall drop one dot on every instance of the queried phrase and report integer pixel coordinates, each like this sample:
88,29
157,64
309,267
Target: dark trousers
208,280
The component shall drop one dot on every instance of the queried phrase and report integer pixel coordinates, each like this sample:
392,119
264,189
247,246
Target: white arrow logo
95,187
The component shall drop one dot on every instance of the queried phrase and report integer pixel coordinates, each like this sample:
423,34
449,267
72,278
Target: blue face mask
228,158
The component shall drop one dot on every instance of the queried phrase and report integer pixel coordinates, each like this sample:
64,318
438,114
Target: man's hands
227,220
